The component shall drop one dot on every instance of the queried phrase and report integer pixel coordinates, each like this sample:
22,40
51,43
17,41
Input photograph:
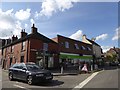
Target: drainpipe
27,50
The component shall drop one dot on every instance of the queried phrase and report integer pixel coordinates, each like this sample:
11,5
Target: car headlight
39,75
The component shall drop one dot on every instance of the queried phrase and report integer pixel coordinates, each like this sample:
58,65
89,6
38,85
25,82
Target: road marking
82,84
21,87
18,86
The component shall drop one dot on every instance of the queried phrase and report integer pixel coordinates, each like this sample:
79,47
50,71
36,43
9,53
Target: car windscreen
32,67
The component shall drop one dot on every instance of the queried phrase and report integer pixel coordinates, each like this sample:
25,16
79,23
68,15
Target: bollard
61,70
79,69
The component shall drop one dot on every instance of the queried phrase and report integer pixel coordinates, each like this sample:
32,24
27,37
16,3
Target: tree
111,57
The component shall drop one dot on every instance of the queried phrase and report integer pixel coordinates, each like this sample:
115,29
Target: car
113,63
29,72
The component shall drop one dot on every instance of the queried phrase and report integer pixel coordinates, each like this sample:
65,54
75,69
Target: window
23,45
82,47
12,48
18,66
76,46
15,66
45,46
88,48
66,44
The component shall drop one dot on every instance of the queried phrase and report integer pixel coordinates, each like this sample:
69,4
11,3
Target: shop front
74,60
45,59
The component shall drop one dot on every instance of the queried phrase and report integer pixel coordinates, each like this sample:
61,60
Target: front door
10,62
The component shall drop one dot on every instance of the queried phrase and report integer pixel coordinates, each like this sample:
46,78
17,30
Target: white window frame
45,46
76,46
66,44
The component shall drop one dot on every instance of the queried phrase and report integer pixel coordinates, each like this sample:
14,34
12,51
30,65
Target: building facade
96,48
30,48
73,52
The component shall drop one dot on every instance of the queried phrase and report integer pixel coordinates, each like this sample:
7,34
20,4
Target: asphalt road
67,81
104,79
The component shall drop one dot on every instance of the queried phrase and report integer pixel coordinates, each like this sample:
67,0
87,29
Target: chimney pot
23,33
34,29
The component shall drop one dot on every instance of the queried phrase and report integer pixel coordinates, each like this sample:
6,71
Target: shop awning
64,56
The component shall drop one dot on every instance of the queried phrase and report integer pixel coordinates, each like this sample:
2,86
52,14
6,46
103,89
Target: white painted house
97,51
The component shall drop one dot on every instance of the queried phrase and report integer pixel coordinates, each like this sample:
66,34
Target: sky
69,18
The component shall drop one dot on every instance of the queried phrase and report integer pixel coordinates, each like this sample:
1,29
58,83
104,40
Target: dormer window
66,44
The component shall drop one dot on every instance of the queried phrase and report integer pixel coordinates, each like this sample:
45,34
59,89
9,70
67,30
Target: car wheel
30,80
10,76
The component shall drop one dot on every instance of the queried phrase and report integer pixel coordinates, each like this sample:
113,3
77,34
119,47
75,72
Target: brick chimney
93,39
14,38
23,33
34,29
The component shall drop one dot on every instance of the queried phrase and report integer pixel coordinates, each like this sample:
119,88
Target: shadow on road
47,84
51,83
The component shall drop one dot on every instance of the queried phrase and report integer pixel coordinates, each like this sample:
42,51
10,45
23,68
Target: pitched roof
93,42
32,35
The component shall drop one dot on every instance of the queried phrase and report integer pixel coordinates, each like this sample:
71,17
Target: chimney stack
34,29
14,38
93,39
23,33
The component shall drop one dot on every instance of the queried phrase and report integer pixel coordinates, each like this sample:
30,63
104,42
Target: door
22,59
10,62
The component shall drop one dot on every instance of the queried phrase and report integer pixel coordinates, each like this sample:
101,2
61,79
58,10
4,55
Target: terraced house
48,53
34,47
73,52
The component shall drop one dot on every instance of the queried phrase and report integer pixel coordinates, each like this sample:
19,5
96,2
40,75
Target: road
103,79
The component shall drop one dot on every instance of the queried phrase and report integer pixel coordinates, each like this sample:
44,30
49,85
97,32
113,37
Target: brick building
48,53
72,51
30,48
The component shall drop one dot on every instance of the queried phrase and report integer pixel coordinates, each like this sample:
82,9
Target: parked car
29,72
113,63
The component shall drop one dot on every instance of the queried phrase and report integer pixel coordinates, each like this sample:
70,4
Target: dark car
29,72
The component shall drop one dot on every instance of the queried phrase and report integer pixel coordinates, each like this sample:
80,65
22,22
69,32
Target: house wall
97,51
15,54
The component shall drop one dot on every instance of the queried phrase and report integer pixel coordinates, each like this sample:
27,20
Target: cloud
8,24
32,21
26,25
23,15
76,35
117,34
52,6
106,48
102,37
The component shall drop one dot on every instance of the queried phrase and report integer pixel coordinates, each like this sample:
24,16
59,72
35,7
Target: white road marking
21,87
18,86
82,84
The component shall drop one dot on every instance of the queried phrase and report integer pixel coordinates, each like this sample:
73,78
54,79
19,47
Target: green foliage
111,57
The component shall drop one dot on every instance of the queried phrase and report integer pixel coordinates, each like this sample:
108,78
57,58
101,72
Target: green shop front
74,60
